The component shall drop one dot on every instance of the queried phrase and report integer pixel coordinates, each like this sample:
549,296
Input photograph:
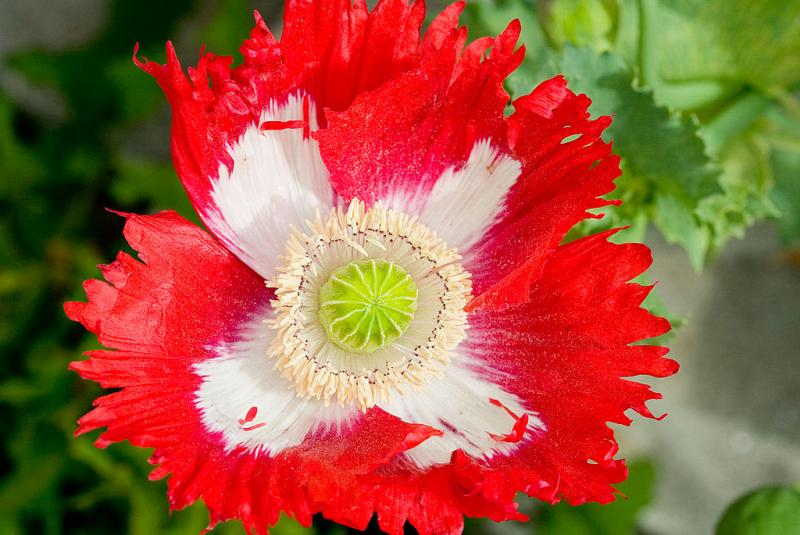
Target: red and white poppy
383,319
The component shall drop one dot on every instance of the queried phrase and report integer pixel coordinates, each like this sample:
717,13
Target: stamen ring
302,350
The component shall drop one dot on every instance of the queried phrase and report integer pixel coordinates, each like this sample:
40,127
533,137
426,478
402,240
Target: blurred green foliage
58,174
708,148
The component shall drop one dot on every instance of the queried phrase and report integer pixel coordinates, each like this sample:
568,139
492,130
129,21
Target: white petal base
465,202
243,376
277,180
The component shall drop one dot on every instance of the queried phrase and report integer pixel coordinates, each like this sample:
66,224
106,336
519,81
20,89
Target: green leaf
746,182
666,171
767,511
660,147
579,22
677,222
783,132
756,139
711,45
701,183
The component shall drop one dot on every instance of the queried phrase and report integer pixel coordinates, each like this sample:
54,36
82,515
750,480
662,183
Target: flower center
367,304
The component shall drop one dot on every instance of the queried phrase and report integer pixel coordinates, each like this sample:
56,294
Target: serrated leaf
660,147
663,154
705,204
767,511
746,181
665,165
750,136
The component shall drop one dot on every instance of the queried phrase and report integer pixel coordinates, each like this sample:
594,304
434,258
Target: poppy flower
383,319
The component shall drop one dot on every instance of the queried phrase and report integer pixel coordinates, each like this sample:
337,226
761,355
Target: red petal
400,137
559,183
162,315
188,292
520,425
566,351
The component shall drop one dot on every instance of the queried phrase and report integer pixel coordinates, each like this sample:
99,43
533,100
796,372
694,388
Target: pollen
368,303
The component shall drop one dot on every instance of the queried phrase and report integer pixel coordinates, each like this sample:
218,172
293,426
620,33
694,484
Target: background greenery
707,121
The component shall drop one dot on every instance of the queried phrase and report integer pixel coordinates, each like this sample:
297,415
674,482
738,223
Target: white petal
458,405
242,376
464,203
278,179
